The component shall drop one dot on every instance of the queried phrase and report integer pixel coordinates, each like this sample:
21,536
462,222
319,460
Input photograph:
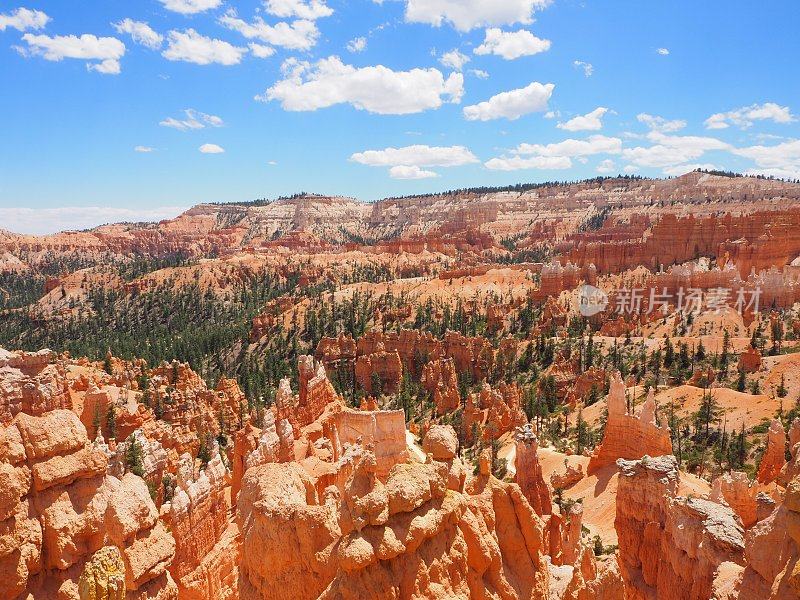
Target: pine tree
111,422
133,457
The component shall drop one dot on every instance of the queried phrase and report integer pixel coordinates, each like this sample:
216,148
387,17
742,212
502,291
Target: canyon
318,398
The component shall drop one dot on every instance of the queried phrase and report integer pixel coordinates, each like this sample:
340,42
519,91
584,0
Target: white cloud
513,104
211,149
744,117
555,156
190,7
631,169
358,44
194,120
190,46
678,170
662,51
107,50
511,44
40,221
606,166
454,60
780,160
407,162
669,151
594,144
516,163
376,89
143,149
301,34
416,156
140,32
588,122
468,14
260,50
656,123
314,9
588,68
552,114
403,172
479,73
24,19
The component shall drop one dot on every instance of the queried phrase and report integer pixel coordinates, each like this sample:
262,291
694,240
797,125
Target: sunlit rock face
627,435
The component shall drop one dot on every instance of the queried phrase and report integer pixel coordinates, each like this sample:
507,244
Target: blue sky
156,105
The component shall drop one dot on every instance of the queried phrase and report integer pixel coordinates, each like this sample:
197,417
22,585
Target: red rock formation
750,360
494,412
757,240
626,435
58,507
206,553
774,457
440,380
382,430
568,478
441,443
33,383
385,365
316,392
584,383
772,552
736,490
660,534
407,538
529,472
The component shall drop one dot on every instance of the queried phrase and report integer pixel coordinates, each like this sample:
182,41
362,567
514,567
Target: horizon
171,213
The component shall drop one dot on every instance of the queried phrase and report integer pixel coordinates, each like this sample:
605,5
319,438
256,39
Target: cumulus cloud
662,51
301,34
516,163
407,162
781,160
588,68
260,50
606,166
513,104
656,123
190,7
403,172
24,19
376,89
454,60
140,32
479,73
669,151
211,149
107,50
744,117
511,44
558,155
143,149
314,9
358,44
594,144
418,155
194,120
589,122
40,221
190,46
465,15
